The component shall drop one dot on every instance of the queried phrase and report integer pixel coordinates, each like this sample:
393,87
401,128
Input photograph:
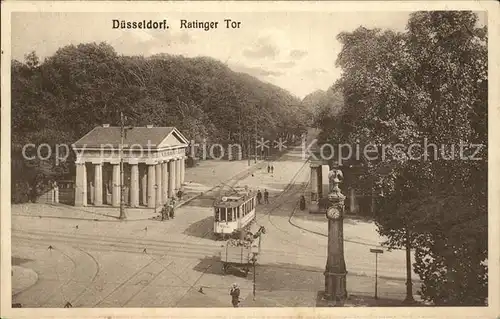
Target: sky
296,51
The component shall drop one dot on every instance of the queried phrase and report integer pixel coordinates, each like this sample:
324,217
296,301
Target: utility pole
248,148
122,188
254,259
409,285
255,135
376,252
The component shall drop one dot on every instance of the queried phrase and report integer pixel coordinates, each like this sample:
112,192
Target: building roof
103,136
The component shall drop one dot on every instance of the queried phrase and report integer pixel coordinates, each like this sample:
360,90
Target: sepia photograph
221,158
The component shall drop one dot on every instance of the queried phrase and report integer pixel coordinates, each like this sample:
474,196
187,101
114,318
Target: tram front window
217,214
222,214
229,214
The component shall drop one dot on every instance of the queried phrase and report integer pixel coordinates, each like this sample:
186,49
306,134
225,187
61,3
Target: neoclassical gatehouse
153,169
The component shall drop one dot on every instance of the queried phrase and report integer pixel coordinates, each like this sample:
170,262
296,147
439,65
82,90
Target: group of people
168,210
270,168
266,196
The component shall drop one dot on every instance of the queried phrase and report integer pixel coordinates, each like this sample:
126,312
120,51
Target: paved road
148,263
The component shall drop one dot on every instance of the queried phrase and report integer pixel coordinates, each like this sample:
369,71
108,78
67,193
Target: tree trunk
409,286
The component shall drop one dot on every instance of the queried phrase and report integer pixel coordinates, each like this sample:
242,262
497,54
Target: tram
233,213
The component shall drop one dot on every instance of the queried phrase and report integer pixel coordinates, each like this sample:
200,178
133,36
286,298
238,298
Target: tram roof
233,200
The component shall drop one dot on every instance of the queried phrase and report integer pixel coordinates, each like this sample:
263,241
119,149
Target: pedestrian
268,168
259,196
172,208
266,196
272,169
179,194
165,212
302,202
235,295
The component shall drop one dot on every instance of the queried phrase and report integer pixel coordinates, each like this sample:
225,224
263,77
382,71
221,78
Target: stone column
314,181
325,186
178,174
159,184
164,180
134,184
115,195
314,205
81,185
144,184
56,191
97,183
151,185
325,183
335,272
171,180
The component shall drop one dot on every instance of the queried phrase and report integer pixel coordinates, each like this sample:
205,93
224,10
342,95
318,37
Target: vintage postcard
250,159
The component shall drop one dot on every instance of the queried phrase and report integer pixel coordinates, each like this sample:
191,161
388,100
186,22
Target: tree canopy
82,86
425,85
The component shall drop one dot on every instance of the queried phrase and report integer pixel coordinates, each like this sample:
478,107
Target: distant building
154,166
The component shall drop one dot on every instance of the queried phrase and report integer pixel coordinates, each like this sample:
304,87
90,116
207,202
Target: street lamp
376,252
254,260
123,133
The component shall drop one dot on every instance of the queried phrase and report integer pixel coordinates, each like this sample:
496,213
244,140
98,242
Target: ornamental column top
335,197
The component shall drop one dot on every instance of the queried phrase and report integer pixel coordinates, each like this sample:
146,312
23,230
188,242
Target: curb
139,219
20,290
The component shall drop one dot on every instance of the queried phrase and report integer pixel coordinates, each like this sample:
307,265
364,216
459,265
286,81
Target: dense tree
82,86
429,82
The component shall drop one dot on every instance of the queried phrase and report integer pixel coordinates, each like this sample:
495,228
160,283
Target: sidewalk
22,278
201,178
302,287
355,230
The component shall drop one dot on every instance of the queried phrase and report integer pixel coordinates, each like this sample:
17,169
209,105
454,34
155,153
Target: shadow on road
204,200
17,261
213,265
284,276
356,300
202,228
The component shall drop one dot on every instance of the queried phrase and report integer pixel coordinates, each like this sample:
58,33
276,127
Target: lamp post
376,252
156,201
123,133
122,189
255,136
254,260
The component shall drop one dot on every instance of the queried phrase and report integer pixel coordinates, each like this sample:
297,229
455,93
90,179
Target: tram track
94,277
289,192
194,251
60,287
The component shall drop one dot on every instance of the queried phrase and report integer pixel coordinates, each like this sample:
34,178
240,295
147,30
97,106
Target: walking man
259,196
272,169
268,168
235,295
179,194
266,197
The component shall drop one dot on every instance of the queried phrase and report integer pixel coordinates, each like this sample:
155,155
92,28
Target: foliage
428,83
86,85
